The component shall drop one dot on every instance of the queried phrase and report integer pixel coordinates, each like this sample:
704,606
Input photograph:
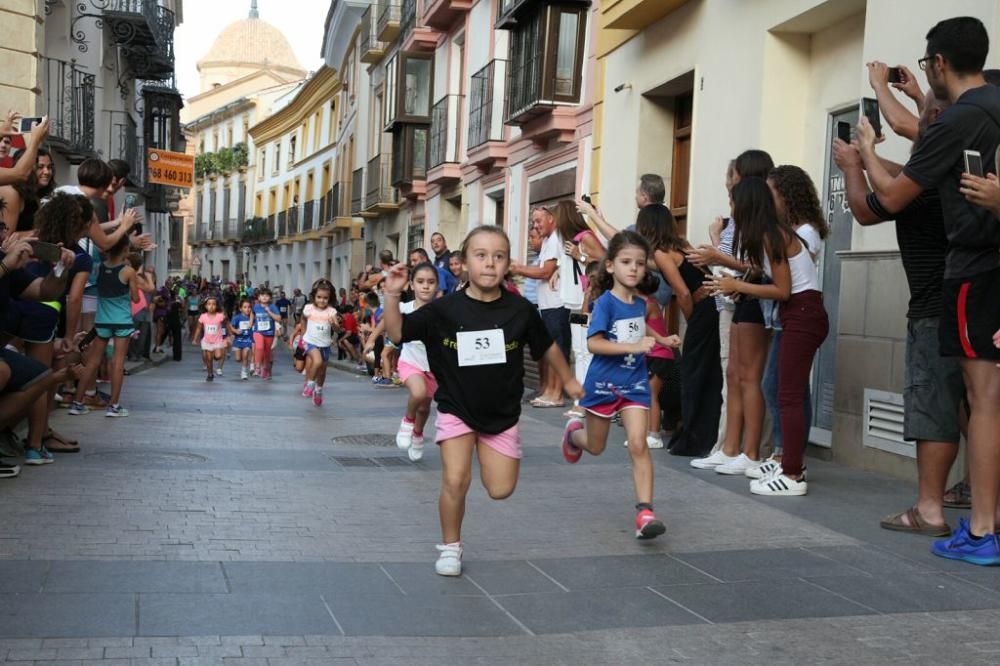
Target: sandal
915,524
544,404
959,496
55,443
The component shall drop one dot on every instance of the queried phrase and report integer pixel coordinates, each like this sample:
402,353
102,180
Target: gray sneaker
116,411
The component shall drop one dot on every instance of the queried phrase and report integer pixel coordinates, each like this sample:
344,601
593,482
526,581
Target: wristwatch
584,258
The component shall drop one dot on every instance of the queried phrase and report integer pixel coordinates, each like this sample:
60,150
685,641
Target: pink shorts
212,346
609,409
507,443
407,370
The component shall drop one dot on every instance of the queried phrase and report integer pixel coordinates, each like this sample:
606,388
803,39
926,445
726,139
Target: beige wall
20,43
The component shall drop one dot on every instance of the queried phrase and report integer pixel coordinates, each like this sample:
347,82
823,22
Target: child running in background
319,319
210,326
617,382
475,347
265,317
413,368
658,360
241,328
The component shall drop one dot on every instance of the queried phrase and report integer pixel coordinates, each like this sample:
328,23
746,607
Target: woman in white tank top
773,246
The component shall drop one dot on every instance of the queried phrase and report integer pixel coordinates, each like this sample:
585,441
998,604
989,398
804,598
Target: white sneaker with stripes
779,485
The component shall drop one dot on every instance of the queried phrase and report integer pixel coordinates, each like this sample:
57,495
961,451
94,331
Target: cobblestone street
235,523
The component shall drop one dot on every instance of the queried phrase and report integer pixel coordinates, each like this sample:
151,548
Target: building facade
248,69
673,97
103,72
469,112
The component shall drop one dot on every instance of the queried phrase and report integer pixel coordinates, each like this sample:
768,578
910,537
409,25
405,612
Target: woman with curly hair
797,204
63,220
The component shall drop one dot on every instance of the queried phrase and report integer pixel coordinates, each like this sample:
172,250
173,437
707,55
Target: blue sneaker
384,382
961,546
38,456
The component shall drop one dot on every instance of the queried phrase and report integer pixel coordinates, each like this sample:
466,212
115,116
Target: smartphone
130,200
586,197
87,339
26,124
45,251
869,107
974,163
844,131
895,75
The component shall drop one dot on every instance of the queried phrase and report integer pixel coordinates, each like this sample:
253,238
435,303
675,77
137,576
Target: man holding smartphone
956,51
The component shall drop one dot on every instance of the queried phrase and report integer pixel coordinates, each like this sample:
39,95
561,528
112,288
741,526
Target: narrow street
231,522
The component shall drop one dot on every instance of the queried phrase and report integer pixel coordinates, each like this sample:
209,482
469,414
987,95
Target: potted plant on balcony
241,157
224,161
201,166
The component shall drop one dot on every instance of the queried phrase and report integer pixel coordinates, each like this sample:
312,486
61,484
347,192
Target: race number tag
244,326
323,329
481,347
629,330
263,324
211,329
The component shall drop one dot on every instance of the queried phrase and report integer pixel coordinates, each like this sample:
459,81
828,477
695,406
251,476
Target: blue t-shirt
242,324
447,282
378,315
621,375
263,323
283,304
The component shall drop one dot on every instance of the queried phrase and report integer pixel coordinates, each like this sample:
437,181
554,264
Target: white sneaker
762,469
654,441
244,375
737,466
779,485
416,450
218,372
712,461
449,562
404,436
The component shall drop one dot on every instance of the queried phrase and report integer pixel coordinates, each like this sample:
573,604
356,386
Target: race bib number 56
481,347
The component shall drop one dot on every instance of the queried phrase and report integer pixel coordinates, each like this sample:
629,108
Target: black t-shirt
922,247
100,209
12,284
486,397
972,123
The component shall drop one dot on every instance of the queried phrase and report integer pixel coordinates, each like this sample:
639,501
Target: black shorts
660,367
557,324
748,312
970,317
24,370
352,339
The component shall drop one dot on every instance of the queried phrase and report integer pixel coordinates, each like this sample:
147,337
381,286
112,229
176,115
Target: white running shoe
449,562
654,441
712,461
218,372
244,375
416,450
737,466
404,436
779,485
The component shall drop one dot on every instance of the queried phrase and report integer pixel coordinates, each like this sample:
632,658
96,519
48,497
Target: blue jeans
770,387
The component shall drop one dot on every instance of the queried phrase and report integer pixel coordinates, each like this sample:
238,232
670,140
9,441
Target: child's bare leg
655,386
498,472
636,421
456,475
594,437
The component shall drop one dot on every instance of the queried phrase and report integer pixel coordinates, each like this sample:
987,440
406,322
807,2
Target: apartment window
409,78
277,157
546,66
261,159
229,136
414,237
291,152
409,154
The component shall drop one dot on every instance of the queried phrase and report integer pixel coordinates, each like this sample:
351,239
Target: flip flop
57,444
917,524
544,404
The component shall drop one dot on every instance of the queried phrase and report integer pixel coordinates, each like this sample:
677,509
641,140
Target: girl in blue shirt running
617,382
241,328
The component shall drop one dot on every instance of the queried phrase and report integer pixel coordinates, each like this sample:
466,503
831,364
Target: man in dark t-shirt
956,51
933,390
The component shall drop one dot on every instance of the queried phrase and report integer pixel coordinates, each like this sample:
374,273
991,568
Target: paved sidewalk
235,523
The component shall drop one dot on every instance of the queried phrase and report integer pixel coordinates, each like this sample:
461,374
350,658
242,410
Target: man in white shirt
550,305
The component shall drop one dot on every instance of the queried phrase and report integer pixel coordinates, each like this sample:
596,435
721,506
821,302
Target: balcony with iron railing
372,49
486,147
145,31
357,191
123,143
68,101
309,212
445,140
442,14
388,21
415,35
380,196
511,13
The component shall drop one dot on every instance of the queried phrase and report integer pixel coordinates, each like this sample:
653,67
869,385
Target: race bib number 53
481,347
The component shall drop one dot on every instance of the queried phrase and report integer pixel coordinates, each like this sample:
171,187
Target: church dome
251,43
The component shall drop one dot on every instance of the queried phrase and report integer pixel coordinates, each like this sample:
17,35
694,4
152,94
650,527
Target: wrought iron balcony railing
357,190
380,190
445,138
68,99
372,48
486,103
388,20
